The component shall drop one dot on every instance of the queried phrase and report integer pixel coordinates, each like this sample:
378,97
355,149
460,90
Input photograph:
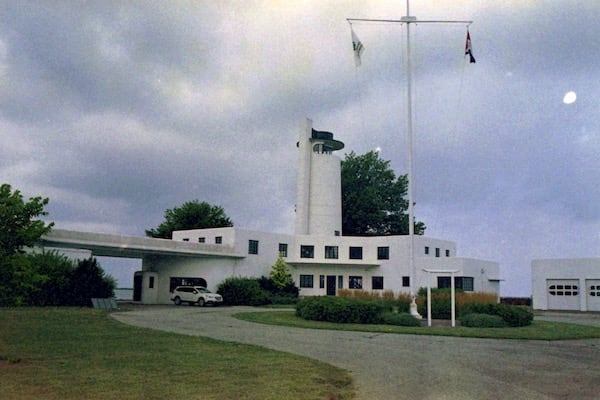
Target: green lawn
72,353
538,330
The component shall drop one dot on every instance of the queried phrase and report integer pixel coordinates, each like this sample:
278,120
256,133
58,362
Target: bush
400,319
339,309
389,301
513,315
242,291
482,321
441,301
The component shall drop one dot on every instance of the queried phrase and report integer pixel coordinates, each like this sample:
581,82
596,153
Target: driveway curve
393,366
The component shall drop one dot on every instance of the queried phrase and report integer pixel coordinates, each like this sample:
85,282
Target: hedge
482,321
340,310
513,315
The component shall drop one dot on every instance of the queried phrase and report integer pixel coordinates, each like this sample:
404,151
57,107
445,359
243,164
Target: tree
89,280
19,226
190,215
280,274
373,198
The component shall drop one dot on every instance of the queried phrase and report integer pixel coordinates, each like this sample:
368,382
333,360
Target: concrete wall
584,273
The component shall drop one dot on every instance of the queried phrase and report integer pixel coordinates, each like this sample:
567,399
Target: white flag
357,47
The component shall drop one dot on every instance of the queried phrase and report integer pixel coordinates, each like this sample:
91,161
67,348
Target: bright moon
570,97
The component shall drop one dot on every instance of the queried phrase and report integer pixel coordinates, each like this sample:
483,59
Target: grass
538,330
72,353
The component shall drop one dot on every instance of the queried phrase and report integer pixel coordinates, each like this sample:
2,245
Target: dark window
306,281
437,251
447,253
186,239
151,283
180,281
219,240
252,246
307,252
377,283
460,282
201,240
355,282
426,250
331,252
336,233
383,253
321,281
406,281
283,249
355,253
340,282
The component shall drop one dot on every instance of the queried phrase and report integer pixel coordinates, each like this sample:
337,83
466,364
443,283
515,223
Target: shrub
339,309
400,319
242,291
441,301
388,300
513,315
482,321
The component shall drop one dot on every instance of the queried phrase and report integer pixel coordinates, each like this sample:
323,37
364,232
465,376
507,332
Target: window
355,282
426,250
406,281
383,253
307,252
595,290
252,246
336,233
437,251
306,281
355,253
181,281
219,240
321,281
340,282
201,240
283,249
331,252
151,283
460,282
564,290
377,283
447,253
186,239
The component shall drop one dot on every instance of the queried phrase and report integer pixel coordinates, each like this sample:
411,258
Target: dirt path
391,366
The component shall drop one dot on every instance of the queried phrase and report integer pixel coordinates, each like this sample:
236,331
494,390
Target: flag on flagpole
357,47
468,49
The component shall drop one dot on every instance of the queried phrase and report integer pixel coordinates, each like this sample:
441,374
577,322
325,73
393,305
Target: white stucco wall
581,272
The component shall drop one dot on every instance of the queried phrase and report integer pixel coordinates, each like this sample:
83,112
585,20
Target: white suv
195,294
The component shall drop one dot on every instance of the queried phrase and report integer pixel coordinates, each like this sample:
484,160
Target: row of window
354,282
331,252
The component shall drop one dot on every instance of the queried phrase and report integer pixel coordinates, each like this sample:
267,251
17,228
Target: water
124,293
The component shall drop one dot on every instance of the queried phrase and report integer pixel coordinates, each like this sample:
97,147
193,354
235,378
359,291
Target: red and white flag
468,49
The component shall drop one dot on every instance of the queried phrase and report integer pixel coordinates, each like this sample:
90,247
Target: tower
319,183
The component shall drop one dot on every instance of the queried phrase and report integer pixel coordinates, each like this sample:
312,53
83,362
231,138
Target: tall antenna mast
408,20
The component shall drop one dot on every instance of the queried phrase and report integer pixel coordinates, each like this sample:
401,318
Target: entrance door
331,282
137,285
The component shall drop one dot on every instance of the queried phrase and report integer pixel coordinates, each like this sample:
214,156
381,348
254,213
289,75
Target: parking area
392,366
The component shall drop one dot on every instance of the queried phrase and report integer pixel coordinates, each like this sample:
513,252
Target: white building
321,260
566,284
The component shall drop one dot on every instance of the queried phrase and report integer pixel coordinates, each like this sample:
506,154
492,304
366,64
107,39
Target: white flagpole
408,19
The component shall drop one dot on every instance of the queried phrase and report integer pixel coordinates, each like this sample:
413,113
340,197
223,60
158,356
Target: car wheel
177,301
201,302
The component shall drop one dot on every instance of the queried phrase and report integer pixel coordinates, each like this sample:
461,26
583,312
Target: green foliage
190,215
280,274
242,291
400,319
373,198
51,279
339,309
482,321
513,315
89,280
19,226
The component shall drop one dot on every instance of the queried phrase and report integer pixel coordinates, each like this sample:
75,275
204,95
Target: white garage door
563,294
593,294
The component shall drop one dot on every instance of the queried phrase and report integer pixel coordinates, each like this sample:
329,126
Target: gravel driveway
392,366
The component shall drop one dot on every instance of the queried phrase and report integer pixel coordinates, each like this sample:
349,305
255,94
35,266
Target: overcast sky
117,111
